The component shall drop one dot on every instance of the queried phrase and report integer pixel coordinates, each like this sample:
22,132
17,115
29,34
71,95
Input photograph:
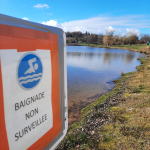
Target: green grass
86,44
130,46
135,47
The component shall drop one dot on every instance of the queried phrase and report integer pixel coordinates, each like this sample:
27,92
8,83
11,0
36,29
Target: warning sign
28,106
33,85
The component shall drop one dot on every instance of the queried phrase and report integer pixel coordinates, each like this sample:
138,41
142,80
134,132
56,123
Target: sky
96,16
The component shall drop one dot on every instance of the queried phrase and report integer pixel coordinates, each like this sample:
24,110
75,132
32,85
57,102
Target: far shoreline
136,48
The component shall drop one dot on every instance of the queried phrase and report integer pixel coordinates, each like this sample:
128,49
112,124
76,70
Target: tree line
108,39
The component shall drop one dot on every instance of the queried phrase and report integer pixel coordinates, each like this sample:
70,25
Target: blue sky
84,15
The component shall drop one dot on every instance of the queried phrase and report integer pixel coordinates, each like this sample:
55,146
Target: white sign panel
27,81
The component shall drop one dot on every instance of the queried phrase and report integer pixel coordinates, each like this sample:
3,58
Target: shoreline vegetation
119,119
141,48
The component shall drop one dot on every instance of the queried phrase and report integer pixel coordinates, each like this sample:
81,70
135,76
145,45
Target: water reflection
81,59
90,72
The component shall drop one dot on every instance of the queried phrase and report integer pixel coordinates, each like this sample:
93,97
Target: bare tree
108,38
118,39
70,40
125,40
105,40
91,38
145,38
100,39
133,39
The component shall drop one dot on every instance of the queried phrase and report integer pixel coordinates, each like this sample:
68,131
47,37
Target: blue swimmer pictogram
30,71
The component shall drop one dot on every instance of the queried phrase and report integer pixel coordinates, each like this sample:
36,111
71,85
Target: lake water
90,72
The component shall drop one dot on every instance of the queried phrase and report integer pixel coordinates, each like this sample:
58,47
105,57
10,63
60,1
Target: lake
90,72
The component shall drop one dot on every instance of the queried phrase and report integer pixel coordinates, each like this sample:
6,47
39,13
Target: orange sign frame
26,40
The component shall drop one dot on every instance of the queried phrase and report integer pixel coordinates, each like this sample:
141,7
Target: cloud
121,25
51,23
41,6
74,28
133,31
109,29
25,18
101,23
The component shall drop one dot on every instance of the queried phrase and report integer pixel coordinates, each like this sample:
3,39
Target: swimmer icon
30,71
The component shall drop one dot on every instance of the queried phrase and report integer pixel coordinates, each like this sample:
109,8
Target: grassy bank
119,119
136,47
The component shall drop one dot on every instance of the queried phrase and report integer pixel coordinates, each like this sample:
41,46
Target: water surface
90,72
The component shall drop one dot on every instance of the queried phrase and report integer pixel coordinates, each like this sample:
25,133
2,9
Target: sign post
33,85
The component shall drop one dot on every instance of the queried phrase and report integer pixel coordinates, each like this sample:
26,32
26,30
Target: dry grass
134,132
144,50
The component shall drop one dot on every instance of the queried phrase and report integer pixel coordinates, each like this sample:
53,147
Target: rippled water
90,72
